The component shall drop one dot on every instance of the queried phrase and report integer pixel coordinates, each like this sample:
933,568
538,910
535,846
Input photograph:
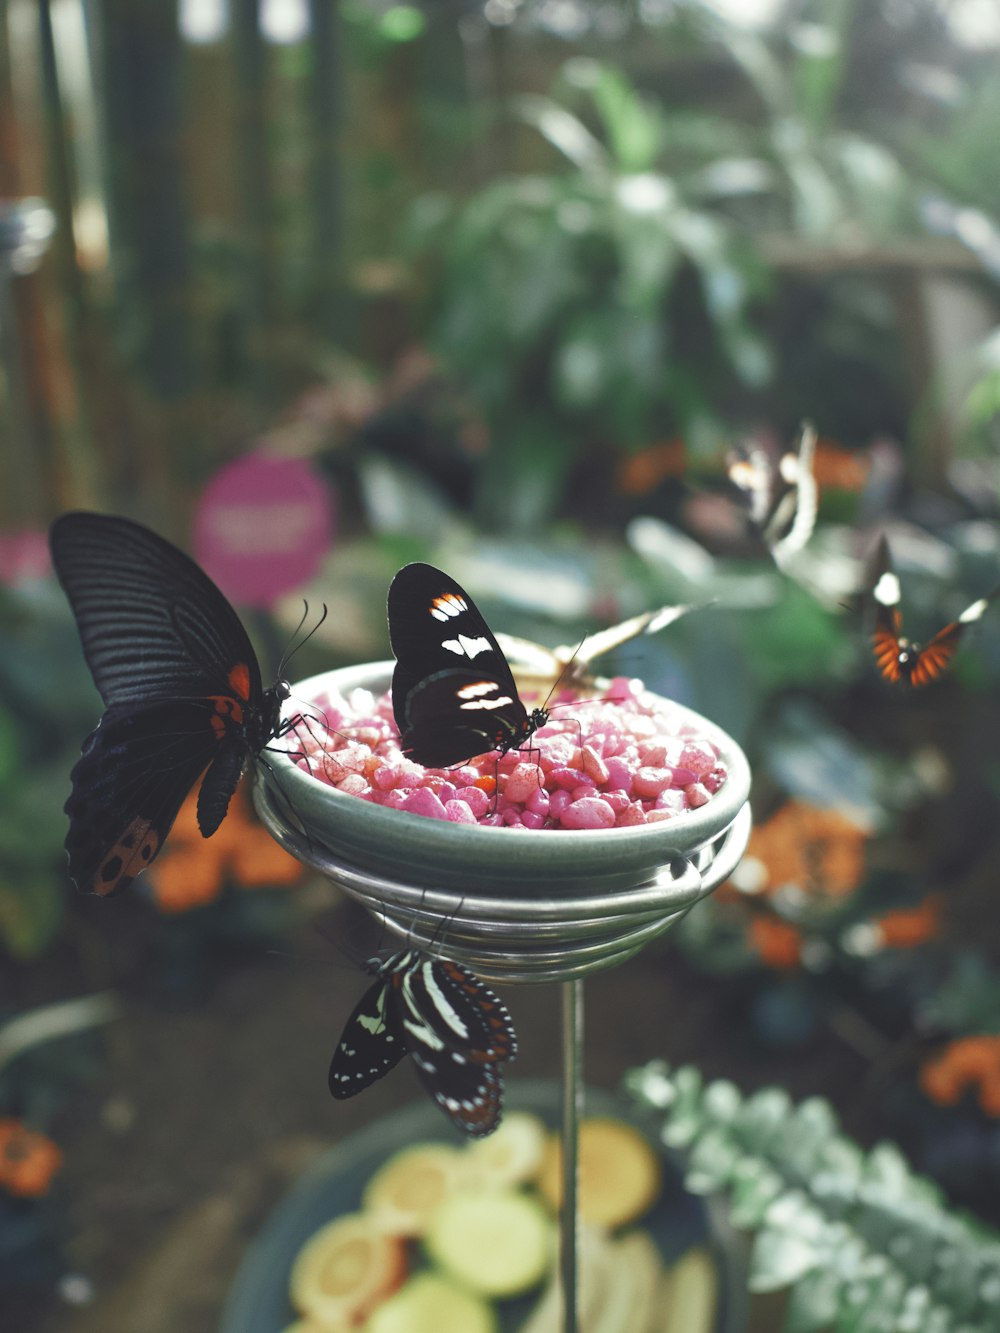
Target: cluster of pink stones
624,759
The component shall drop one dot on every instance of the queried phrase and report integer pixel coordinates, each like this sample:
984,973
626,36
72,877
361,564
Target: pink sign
263,526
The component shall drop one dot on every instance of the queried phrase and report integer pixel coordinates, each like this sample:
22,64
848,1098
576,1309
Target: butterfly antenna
294,647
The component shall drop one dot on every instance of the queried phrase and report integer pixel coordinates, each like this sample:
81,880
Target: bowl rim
696,827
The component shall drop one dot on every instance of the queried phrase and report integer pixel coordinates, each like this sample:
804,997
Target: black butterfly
453,694
182,690
898,658
455,1030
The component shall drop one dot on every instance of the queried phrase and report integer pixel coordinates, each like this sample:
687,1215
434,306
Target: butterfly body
455,1030
902,660
182,691
453,692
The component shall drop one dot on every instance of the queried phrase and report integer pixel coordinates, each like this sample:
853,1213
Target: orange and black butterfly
182,692
898,658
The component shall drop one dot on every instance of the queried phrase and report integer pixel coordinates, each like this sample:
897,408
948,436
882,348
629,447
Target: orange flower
644,471
819,851
778,943
192,869
28,1160
969,1062
840,469
908,927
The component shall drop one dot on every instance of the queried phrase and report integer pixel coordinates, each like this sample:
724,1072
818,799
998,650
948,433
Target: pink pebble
395,799
354,785
538,802
716,779
653,754
511,817
658,816
385,778
475,798
524,780
590,812
458,812
673,799
618,800
623,688
594,766
423,801
570,778
531,820
632,815
649,782
696,795
558,802
700,759
619,774
683,777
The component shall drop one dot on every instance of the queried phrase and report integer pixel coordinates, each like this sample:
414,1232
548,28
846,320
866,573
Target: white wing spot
886,591
447,606
973,612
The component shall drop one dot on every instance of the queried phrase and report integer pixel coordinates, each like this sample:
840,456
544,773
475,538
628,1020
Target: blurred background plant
512,278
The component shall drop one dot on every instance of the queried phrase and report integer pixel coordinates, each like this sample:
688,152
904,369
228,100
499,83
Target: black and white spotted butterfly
453,692
452,1026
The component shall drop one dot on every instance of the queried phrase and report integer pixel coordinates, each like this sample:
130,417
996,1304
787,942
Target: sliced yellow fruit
315,1326
594,1256
511,1155
688,1295
344,1270
494,1242
620,1173
429,1303
404,1192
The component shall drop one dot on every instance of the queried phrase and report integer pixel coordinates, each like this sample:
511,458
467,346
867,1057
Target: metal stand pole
572,1110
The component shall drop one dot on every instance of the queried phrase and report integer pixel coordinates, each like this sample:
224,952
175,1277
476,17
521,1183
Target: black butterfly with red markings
898,658
182,692
453,693
452,1026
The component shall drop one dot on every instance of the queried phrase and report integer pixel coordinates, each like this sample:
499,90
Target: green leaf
779,1258
712,1160
564,131
31,912
755,1186
813,1302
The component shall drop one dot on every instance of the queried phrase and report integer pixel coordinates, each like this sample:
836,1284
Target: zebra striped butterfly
452,1026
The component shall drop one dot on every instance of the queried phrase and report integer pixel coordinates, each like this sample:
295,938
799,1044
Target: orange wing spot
239,678
226,709
130,855
934,660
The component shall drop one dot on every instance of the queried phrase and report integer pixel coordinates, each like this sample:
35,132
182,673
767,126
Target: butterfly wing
471,1095
131,779
453,693
455,714
372,1041
457,1032
152,623
936,657
780,494
460,1009
887,642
